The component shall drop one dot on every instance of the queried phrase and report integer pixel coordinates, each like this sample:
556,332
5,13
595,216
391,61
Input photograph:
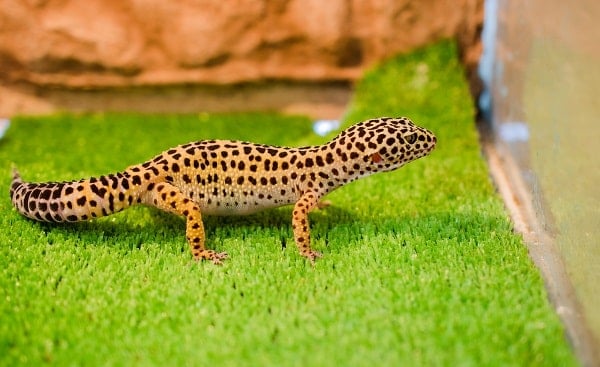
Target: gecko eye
411,138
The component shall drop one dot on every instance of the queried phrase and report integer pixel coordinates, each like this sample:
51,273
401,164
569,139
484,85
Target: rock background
73,45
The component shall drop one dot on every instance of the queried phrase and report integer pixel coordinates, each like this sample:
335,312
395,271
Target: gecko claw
312,256
215,257
218,257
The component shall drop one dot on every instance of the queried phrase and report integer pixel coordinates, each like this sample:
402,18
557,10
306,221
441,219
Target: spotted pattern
223,177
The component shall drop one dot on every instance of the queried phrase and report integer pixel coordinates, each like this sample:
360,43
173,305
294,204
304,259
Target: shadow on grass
334,226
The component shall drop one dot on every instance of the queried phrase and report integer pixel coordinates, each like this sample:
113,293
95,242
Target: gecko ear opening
376,158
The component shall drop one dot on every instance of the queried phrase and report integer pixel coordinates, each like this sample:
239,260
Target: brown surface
81,45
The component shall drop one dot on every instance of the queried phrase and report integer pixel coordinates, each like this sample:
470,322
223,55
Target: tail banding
71,201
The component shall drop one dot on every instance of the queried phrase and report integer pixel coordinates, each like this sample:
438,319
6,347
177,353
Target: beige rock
99,44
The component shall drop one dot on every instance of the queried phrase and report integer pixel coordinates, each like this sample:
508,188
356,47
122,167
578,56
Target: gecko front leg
169,198
308,201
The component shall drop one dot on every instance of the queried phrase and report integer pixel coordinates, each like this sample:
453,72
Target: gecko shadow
334,227
160,227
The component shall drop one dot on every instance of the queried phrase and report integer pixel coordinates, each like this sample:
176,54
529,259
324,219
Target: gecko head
385,144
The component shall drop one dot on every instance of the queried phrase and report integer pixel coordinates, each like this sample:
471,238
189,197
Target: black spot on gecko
45,195
57,191
81,201
329,158
102,191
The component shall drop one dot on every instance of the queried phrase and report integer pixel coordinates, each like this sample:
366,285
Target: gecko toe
312,256
218,257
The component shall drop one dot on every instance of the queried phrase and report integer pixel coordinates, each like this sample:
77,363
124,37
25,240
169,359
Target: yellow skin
223,177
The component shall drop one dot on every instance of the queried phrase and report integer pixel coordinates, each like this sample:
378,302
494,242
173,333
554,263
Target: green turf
420,265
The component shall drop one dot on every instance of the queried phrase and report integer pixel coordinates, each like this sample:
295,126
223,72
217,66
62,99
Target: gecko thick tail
72,201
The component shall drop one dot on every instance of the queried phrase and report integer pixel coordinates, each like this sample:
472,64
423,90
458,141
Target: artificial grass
420,265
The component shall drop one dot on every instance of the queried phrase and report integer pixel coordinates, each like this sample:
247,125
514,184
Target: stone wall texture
91,44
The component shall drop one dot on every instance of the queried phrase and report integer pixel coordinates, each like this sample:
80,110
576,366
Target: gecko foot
312,255
215,257
323,204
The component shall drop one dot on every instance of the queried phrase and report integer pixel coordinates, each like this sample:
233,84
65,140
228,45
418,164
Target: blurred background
207,55
541,69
